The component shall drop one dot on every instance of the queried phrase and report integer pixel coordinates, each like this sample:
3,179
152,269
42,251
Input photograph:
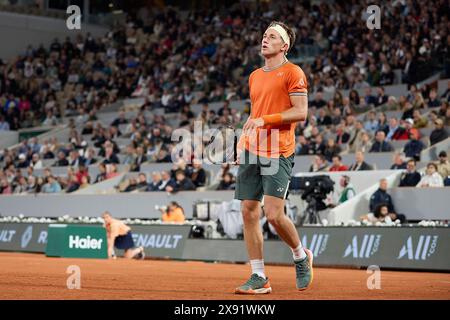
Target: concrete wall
17,31
122,205
422,203
8,138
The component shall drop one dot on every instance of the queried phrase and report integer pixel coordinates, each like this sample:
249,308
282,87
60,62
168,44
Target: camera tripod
311,213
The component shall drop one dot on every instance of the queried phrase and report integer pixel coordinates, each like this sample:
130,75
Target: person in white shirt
432,178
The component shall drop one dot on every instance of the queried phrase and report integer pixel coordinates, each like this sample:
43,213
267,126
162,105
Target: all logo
26,237
364,247
420,250
318,243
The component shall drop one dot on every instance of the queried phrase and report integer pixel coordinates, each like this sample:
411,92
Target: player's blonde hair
289,31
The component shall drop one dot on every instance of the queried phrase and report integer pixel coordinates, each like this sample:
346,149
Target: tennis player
119,235
278,94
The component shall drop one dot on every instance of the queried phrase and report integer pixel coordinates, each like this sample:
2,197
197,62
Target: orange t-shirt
270,93
175,216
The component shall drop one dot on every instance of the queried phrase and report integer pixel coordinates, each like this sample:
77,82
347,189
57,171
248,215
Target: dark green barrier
77,241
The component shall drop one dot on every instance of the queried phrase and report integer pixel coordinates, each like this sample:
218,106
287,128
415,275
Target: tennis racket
222,146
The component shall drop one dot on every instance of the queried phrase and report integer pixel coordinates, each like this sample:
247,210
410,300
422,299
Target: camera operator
173,213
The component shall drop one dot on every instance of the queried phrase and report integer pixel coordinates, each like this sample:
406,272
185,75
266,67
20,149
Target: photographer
173,213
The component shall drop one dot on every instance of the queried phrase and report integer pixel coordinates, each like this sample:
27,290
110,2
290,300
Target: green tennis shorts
258,176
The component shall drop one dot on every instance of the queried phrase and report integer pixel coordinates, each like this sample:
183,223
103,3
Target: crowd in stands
164,58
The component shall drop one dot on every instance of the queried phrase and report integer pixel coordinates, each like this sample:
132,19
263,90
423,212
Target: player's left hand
252,124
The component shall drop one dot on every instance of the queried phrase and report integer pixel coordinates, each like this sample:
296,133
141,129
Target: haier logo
75,242
365,248
26,237
423,249
318,243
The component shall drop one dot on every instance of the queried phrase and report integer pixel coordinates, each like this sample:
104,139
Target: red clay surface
34,276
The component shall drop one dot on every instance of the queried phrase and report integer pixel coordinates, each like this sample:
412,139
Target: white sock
298,253
258,267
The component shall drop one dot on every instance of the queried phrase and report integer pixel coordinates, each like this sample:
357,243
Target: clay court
34,276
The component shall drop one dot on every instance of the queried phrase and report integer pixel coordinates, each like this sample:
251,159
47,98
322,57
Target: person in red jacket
337,164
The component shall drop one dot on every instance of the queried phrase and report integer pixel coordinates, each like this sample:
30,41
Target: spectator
89,157
302,147
419,120
369,98
52,186
62,161
399,162
227,182
119,120
410,178
433,100
174,213
381,145
348,191
443,165
318,101
140,159
337,164
439,133
394,129
23,162
110,156
323,119
331,149
414,147
101,176
360,164
21,186
431,178
362,142
167,182
72,184
381,197
47,153
197,174
381,98
111,171
142,183
319,164
130,156
383,124
75,159
316,145
82,172
85,182
5,187
182,182
156,182
371,125
132,185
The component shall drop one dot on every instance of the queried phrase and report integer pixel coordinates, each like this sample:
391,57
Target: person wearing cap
439,133
23,162
409,129
443,165
414,147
